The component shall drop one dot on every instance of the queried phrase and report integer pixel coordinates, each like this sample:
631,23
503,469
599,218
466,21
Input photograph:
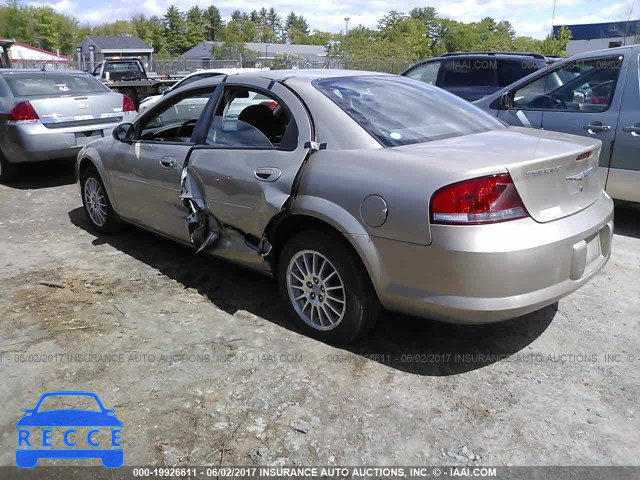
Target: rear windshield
469,72
401,111
510,71
34,84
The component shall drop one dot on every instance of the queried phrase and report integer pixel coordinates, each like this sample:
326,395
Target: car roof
18,71
309,74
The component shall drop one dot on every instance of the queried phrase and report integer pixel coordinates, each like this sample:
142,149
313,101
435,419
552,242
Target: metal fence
183,67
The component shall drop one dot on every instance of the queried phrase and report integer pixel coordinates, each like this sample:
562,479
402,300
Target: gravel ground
204,368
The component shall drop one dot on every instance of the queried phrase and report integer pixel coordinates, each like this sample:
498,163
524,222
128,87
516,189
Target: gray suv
475,75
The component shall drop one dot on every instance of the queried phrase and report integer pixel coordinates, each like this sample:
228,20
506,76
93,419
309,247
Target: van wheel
326,288
96,203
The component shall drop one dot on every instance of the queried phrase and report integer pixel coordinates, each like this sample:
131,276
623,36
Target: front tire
96,203
326,288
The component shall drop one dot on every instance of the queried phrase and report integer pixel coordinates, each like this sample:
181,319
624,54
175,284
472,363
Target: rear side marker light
23,113
481,200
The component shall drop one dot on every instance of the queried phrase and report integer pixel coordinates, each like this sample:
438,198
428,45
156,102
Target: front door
145,174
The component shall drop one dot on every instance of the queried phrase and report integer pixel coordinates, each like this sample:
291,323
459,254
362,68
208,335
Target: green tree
196,28
214,25
556,45
175,31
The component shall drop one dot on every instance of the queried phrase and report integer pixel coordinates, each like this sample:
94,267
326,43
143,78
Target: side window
469,73
176,122
427,72
580,86
248,118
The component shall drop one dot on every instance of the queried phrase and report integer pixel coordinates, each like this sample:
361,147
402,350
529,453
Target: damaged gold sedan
358,192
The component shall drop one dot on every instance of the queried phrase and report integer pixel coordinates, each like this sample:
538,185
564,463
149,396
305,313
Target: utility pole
346,27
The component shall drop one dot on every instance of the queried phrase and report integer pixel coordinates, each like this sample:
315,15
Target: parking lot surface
201,364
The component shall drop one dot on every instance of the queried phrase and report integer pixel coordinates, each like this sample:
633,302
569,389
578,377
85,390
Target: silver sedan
46,115
359,191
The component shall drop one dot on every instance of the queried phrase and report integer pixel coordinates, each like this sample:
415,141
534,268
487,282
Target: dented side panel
235,192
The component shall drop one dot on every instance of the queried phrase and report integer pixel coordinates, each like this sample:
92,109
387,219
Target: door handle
267,174
168,162
633,129
596,127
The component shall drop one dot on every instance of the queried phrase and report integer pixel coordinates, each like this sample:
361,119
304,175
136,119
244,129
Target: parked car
473,75
46,115
194,77
593,94
360,190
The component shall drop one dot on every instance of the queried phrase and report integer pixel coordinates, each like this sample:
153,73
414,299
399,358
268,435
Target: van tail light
480,200
23,113
127,104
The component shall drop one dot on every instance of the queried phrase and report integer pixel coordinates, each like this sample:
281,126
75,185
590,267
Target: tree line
421,33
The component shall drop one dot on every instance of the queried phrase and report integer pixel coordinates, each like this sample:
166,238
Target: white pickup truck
594,94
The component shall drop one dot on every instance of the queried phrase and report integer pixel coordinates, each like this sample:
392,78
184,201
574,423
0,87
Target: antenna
553,16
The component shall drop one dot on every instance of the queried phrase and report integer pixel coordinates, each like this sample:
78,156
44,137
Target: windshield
65,402
52,84
400,111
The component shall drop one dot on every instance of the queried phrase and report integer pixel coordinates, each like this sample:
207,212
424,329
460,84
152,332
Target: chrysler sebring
359,191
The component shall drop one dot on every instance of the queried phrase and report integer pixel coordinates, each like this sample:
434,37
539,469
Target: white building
596,36
26,56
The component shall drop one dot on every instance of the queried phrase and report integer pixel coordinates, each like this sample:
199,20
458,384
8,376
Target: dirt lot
204,368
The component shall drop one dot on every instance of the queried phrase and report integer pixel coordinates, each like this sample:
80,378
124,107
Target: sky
529,17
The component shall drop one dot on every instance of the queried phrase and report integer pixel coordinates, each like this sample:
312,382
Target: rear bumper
33,142
484,274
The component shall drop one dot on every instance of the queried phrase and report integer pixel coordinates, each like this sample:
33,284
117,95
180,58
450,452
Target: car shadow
402,342
37,175
627,219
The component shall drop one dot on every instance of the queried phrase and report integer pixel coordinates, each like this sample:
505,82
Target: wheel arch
90,158
285,225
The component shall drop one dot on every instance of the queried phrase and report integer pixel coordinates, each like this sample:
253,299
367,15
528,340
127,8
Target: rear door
145,174
251,156
623,181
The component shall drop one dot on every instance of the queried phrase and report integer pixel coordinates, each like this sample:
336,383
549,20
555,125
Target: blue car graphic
27,457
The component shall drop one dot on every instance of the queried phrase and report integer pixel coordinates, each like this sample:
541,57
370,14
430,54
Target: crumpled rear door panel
233,193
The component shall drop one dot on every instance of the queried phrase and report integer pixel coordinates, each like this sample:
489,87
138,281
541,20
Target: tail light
272,104
23,112
481,200
127,104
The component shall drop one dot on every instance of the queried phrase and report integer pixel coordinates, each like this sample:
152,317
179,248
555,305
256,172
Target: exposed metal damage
204,227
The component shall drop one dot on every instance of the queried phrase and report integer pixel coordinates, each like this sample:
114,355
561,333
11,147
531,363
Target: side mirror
503,102
124,132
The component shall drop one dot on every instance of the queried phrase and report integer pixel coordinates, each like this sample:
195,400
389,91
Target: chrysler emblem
580,176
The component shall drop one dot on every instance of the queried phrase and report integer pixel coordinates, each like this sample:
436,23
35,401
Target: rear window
469,72
400,111
511,70
52,84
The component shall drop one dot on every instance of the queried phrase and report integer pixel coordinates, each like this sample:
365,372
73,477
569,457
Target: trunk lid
555,174
80,110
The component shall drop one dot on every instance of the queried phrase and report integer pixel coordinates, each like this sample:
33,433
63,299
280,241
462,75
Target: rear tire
96,203
8,170
326,288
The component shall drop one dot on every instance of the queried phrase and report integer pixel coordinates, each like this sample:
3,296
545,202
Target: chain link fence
178,68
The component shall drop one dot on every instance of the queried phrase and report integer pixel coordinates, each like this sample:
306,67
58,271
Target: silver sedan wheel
316,290
96,201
